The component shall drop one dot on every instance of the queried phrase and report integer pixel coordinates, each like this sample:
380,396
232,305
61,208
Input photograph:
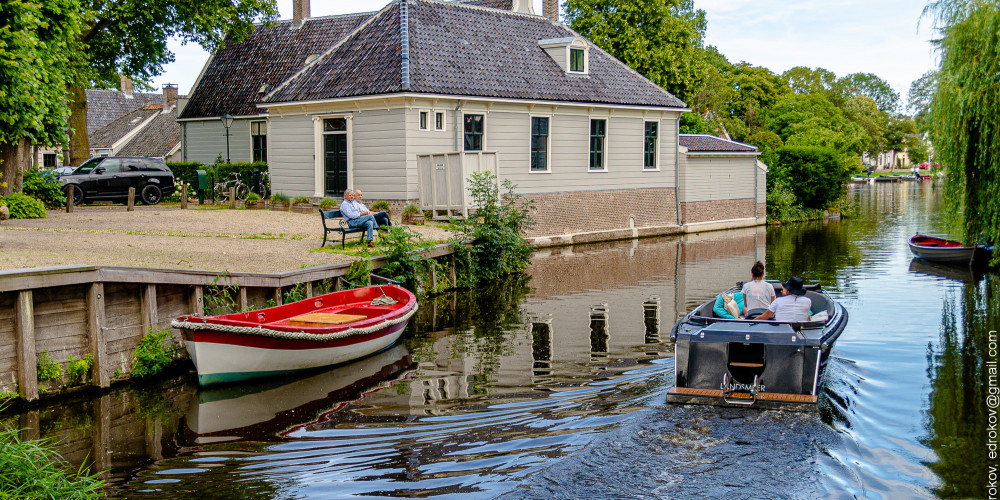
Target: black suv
109,177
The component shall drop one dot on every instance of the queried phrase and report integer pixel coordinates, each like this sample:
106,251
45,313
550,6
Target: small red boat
934,249
319,331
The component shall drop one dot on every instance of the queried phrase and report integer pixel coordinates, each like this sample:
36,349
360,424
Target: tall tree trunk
79,143
13,156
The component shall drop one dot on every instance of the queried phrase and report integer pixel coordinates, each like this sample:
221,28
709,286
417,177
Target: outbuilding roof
106,106
476,48
704,143
113,132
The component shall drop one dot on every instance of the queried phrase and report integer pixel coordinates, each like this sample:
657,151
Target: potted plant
410,215
253,202
279,202
382,206
328,204
302,205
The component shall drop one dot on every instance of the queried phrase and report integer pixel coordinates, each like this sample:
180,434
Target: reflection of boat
265,408
320,331
959,273
740,362
934,249
886,178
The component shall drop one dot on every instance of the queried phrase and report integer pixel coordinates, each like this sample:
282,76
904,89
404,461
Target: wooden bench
341,228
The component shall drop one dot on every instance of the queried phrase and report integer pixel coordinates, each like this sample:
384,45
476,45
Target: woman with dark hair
757,294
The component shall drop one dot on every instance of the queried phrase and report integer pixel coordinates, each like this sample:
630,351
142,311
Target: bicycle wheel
242,190
221,193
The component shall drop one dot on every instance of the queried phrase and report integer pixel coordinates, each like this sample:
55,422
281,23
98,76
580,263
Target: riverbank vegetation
31,469
964,112
854,116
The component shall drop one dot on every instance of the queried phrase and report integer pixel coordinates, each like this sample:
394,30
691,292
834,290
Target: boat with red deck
934,249
319,331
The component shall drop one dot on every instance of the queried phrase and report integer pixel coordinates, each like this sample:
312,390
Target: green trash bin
202,185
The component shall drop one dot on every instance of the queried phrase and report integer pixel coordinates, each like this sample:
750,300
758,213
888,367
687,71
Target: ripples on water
556,388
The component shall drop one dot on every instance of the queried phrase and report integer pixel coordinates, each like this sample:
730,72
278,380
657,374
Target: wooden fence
72,311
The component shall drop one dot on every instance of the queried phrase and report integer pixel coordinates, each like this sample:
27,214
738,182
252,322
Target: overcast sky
844,36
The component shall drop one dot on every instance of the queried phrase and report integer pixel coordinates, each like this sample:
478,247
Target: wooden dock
73,311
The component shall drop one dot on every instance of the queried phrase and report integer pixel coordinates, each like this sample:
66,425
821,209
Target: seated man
381,218
354,217
792,306
720,306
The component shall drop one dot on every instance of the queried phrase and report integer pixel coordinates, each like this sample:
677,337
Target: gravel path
167,237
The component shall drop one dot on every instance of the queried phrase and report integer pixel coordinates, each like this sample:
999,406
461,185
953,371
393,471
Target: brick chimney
523,6
300,11
126,86
550,9
169,96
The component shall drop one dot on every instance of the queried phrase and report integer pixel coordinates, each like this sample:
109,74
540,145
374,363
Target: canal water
555,386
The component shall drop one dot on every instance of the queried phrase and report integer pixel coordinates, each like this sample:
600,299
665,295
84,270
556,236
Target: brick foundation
591,211
761,210
708,211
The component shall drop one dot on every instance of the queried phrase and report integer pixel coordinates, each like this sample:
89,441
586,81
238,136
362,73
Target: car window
112,165
132,165
87,166
157,165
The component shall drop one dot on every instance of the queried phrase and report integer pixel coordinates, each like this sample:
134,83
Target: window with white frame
649,146
258,139
539,143
598,135
577,60
475,127
439,123
425,120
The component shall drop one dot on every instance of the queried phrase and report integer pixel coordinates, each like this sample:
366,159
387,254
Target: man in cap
792,306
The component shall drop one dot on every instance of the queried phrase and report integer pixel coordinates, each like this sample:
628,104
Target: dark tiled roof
106,106
235,75
367,62
456,49
493,4
701,143
155,139
111,133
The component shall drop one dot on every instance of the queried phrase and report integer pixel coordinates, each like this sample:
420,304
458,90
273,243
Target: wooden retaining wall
71,311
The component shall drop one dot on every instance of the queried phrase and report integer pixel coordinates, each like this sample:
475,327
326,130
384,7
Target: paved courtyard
167,237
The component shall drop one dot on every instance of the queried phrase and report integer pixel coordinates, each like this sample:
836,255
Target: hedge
247,171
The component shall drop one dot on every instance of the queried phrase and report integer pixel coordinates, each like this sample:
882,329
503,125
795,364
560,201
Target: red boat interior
357,303
930,241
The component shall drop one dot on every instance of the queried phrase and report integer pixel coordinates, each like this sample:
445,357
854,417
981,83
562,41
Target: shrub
300,199
380,205
246,171
44,187
48,367
78,369
280,197
411,210
359,273
253,197
155,351
32,470
496,229
328,204
22,206
403,262
187,171
816,175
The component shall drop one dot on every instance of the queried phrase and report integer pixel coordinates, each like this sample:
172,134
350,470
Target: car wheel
77,195
151,195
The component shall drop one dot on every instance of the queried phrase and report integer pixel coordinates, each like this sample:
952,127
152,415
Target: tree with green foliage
38,52
863,111
966,112
921,97
130,37
815,174
812,120
661,39
803,80
870,85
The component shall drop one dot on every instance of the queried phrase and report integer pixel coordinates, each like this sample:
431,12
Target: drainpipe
458,130
677,170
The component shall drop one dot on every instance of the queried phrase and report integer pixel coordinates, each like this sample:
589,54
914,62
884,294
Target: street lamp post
227,121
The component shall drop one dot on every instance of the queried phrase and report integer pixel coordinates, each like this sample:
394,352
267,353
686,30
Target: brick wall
707,211
761,210
589,211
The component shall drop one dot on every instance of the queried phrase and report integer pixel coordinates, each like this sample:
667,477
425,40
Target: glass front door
336,164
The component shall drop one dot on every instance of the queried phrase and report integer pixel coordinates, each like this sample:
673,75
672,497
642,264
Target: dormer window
570,53
577,60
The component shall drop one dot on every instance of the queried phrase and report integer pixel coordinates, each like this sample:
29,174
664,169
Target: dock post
277,296
309,289
198,300
131,200
453,271
24,331
147,306
95,326
243,299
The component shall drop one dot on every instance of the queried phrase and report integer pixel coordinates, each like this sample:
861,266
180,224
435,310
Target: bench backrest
330,214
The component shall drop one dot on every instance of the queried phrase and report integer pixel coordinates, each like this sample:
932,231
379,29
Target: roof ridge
490,9
328,16
328,51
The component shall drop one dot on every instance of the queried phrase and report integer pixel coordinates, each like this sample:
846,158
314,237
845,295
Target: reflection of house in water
593,308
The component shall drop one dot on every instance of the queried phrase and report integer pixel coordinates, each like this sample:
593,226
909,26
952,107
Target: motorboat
325,330
751,362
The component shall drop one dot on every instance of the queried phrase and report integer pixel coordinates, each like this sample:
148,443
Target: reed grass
31,469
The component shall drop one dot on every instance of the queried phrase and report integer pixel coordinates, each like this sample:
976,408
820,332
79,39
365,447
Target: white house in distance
406,102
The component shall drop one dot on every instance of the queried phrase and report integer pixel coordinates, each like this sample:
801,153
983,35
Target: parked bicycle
262,183
233,181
